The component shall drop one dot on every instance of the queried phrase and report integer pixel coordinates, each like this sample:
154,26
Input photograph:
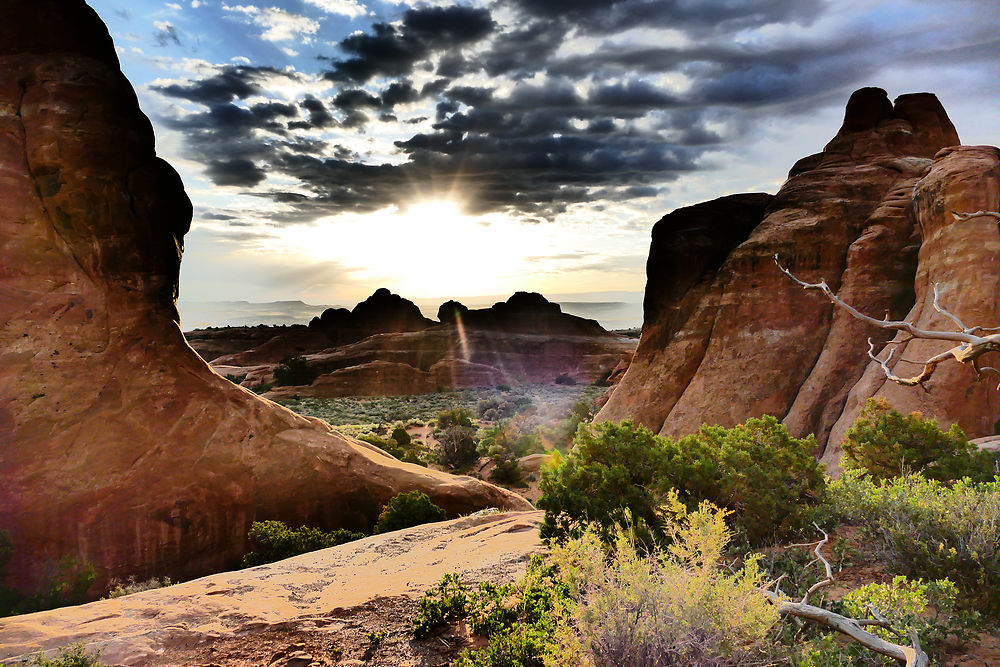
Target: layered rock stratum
525,339
121,447
726,336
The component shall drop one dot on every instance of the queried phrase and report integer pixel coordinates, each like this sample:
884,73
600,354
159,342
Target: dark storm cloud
391,50
696,16
229,83
557,127
235,172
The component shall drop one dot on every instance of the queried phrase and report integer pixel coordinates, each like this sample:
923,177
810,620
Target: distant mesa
382,312
384,346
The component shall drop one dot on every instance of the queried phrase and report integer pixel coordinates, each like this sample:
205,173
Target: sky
446,149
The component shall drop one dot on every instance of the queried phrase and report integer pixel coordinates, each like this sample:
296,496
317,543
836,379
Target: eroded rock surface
963,258
314,593
121,447
735,338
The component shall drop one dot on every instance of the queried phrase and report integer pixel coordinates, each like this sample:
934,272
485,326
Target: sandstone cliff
726,340
120,445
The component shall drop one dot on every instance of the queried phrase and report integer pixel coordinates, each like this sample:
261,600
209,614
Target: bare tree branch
962,217
910,656
970,345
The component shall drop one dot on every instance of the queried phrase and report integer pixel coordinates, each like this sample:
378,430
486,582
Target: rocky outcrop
523,339
963,258
121,447
723,342
188,624
523,312
450,357
382,312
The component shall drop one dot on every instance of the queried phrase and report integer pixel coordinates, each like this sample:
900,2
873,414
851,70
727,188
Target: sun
427,248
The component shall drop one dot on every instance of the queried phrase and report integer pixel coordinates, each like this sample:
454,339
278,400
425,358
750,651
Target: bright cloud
349,8
279,25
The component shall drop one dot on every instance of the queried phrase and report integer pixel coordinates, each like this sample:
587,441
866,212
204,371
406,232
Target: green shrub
458,446
273,541
609,475
66,583
294,371
679,607
756,469
458,416
884,444
507,471
400,435
496,408
926,528
75,656
589,607
564,378
765,477
440,605
412,452
408,509
118,588
930,609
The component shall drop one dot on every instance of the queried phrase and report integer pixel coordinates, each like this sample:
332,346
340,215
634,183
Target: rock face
524,339
963,258
121,447
726,336
183,624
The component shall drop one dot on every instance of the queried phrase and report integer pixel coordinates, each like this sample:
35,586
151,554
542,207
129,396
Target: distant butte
385,347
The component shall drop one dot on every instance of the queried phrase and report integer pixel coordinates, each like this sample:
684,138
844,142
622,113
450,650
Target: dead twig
970,348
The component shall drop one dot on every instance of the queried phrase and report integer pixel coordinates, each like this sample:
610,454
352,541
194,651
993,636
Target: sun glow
428,249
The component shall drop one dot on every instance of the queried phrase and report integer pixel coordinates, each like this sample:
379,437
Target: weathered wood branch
971,346
911,656
962,217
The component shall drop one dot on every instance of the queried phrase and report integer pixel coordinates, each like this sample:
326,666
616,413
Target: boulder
121,447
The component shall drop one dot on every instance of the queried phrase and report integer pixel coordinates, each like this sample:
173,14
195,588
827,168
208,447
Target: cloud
279,25
392,49
350,8
532,107
229,82
165,33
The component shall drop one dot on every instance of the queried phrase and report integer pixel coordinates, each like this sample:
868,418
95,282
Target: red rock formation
963,258
448,357
120,445
743,340
523,339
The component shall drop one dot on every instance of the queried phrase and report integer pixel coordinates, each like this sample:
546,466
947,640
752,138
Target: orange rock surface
121,447
300,592
737,339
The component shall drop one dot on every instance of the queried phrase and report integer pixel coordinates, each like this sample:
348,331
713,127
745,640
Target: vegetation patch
273,541
882,444
619,473
408,509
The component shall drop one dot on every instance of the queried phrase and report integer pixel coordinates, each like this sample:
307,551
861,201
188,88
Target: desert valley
793,462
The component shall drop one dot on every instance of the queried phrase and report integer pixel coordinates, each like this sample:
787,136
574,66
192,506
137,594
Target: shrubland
669,551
